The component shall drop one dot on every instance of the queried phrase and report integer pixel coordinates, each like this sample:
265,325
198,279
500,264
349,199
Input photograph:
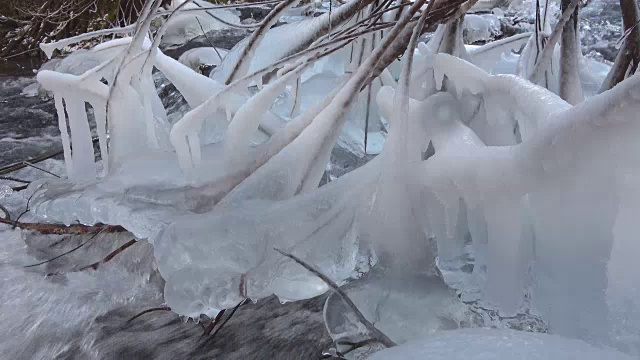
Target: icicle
64,134
82,153
75,90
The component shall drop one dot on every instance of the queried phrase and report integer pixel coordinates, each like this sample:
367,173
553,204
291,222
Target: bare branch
109,257
64,253
59,229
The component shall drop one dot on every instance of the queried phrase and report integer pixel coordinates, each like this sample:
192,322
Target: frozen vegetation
505,184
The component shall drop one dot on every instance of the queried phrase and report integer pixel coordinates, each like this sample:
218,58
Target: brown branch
377,334
59,229
162,308
629,53
227,319
109,257
64,253
213,323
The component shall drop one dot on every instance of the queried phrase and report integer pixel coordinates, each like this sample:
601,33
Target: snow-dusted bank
535,186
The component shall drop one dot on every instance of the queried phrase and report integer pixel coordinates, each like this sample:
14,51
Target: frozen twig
39,168
9,178
59,229
354,345
109,257
377,334
161,308
227,319
22,164
64,253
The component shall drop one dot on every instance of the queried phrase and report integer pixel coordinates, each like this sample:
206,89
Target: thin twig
26,210
111,255
208,40
59,229
9,178
39,168
355,345
63,254
162,308
377,334
20,165
228,318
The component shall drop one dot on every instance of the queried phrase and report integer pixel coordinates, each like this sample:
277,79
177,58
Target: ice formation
475,153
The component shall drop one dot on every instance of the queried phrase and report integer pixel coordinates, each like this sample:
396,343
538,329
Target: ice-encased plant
543,189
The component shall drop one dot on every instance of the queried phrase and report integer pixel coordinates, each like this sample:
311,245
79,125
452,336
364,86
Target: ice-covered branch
49,48
570,55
